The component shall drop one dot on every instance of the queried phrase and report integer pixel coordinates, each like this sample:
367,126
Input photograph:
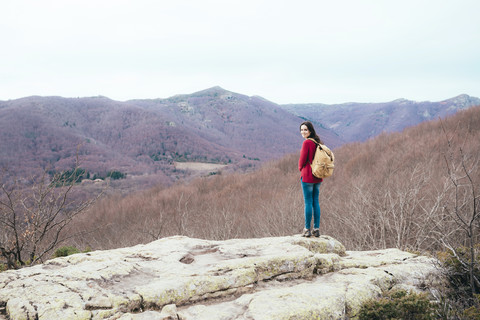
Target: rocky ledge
184,278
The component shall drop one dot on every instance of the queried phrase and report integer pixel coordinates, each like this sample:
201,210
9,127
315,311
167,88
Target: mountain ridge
145,137
360,121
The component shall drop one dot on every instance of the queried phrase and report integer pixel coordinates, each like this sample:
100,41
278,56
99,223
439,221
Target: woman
310,184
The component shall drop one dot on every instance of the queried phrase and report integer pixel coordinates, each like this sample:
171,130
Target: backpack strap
324,148
316,145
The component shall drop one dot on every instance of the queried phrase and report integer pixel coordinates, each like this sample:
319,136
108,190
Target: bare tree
33,219
463,208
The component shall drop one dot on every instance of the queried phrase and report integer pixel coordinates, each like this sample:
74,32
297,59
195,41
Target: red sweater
306,157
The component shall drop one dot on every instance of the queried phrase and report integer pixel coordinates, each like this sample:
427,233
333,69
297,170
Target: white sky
296,51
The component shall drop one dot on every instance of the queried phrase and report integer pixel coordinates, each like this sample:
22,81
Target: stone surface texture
183,278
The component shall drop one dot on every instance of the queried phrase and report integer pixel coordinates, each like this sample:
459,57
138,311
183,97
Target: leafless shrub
34,217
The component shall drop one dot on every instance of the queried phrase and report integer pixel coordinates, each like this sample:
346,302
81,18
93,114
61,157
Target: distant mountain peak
401,100
465,98
462,96
216,89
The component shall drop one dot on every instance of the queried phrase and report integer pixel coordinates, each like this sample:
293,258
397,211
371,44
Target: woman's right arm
302,162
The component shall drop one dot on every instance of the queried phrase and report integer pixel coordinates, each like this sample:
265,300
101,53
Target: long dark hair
313,134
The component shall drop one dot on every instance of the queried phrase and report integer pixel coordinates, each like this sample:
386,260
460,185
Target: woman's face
304,131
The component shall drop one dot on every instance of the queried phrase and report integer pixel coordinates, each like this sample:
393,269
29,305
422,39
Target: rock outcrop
184,278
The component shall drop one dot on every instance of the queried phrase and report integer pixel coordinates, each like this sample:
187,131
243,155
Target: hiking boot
316,232
306,233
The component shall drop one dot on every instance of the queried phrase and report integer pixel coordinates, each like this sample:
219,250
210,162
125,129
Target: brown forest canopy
391,191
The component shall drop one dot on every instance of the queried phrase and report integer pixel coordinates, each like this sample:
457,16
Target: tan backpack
322,164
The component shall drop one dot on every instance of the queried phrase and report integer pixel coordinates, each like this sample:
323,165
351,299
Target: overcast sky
297,51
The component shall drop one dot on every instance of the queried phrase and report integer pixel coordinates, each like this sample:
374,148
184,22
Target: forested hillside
405,190
143,139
